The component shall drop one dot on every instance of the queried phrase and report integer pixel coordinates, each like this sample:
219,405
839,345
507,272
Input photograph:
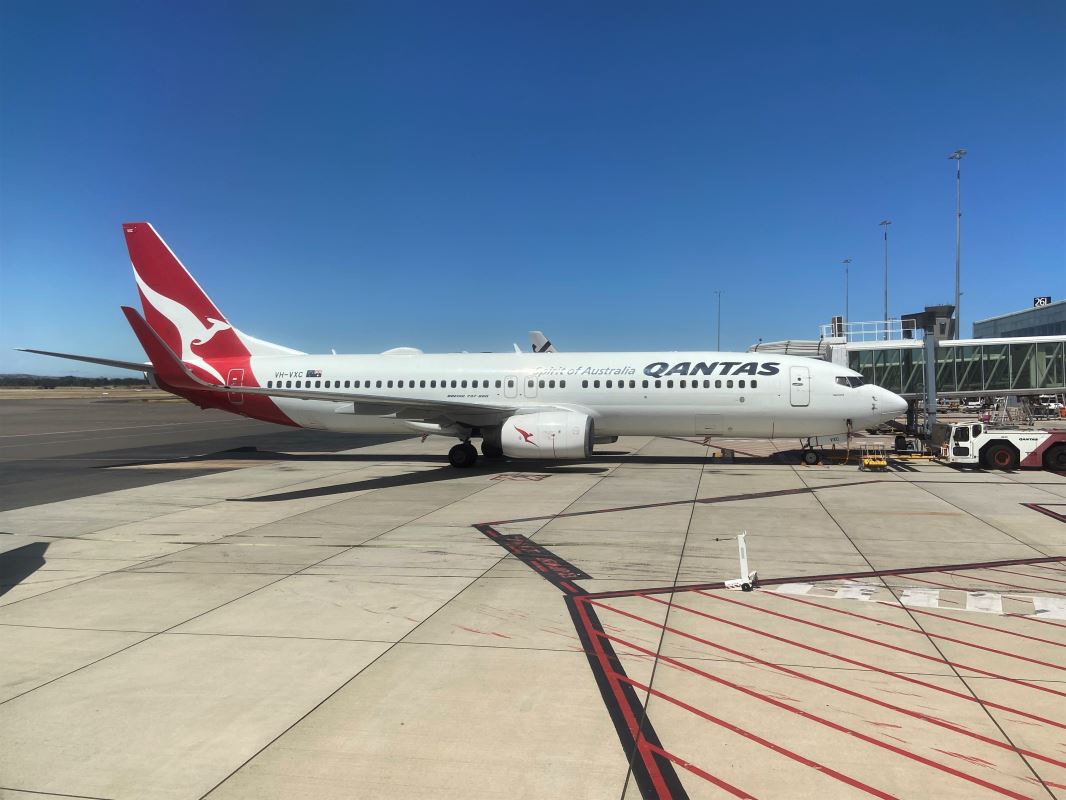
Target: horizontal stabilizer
107,362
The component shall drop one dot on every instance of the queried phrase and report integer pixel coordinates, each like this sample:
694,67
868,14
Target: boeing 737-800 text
521,405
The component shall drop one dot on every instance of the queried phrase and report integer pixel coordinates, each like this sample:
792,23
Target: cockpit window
853,383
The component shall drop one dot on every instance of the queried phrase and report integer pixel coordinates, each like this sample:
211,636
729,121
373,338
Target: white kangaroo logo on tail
190,329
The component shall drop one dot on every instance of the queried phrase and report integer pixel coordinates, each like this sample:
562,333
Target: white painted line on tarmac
921,598
794,588
855,592
985,602
122,428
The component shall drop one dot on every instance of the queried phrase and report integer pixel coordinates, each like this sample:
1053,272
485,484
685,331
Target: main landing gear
810,455
491,450
463,455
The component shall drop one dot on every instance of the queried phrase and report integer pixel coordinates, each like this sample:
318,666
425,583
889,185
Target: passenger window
298,385
499,384
706,384
681,384
610,385
632,384
270,384
621,384
584,384
421,384
399,384
540,383
462,385
510,383
288,384
453,384
347,384
529,384
551,384
644,384
390,384
658,384
670,384
754,384
695,384
355,384
432,384
729,384
562,384
717,384
740,384
595,384
379,384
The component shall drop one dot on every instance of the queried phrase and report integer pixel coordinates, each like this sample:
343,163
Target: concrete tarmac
372,623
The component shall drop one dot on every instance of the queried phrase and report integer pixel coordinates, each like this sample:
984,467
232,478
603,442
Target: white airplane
521,405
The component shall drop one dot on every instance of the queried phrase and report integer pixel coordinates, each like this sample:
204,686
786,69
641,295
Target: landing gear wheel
810,458
491,450
1001,456
462,455
1055,458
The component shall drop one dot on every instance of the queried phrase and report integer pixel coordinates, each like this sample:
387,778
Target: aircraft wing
176,373
107,362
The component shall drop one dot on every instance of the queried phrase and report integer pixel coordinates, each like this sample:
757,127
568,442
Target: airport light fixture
884,224
957,158
846,262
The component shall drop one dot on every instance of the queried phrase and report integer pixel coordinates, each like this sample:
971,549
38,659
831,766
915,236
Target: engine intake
548,434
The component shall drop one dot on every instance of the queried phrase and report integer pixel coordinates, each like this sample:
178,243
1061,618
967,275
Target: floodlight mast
884,224
846,262
957,158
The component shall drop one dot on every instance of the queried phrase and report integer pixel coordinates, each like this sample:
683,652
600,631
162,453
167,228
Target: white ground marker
1049,608
984,601
794,588
921,598
855,592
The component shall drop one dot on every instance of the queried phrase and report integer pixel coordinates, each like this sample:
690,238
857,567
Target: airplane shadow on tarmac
413,478
18,564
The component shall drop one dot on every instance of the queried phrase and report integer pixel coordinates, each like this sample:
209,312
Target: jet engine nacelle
548,434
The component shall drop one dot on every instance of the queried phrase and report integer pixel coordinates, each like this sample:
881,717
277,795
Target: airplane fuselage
655,394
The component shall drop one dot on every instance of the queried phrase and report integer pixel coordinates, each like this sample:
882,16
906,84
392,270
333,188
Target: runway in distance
544,405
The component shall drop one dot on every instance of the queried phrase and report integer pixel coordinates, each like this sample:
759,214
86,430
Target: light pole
846,262
719,294
884,224
957,158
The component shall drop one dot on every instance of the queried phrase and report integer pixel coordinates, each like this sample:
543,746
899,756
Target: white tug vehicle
974,443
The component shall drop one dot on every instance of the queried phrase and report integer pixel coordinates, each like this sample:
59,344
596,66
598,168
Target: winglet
167,365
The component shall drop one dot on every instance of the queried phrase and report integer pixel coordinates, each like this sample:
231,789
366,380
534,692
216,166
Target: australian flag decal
314,373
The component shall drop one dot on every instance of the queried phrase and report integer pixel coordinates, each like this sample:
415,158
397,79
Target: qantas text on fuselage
518,405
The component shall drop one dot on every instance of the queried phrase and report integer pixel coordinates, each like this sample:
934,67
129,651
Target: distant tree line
51,381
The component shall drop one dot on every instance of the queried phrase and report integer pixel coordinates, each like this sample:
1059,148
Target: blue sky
360,176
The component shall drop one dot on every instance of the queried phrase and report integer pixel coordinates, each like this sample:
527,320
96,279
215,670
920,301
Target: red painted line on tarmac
825,770
1026,589
886,645
909,679
826,722
631,722
733,790
1026,575
1036,619
834,686
959,621
1042,508
909,629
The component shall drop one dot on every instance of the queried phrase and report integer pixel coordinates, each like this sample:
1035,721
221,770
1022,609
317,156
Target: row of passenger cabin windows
484,384
396,384
682,384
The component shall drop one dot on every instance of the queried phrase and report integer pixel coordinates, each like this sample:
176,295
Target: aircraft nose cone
892,403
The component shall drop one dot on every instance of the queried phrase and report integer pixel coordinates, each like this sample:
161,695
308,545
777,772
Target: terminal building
1043,319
